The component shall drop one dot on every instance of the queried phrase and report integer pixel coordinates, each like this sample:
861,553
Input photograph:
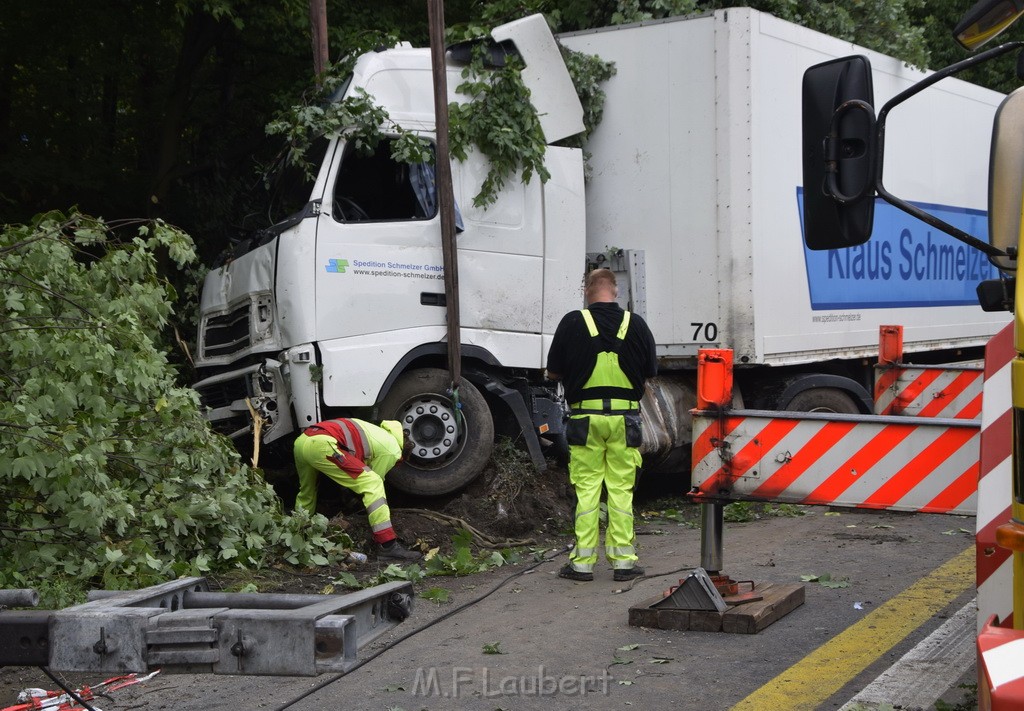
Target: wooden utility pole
445,197
318,27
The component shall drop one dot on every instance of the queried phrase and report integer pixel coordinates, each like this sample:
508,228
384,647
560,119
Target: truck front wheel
450,446
823,400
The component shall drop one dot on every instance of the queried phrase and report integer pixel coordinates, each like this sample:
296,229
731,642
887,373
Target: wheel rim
430,423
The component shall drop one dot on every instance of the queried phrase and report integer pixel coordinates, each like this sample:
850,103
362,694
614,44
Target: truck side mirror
986,20
1006,178
839,149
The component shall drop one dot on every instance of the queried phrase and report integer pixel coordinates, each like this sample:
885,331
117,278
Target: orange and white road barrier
921,463
995,488
866,461
1000,647
1000,668
923,391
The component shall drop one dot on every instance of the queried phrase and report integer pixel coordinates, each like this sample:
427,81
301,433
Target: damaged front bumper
234,398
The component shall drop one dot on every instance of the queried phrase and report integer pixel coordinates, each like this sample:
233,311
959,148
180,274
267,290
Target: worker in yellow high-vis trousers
603,354
357,455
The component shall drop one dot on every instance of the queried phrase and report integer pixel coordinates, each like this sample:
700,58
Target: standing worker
357,455
603,355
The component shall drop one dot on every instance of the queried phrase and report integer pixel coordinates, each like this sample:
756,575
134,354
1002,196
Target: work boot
621,575
393,550
571,573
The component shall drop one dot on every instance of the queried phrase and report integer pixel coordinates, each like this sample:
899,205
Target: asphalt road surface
898,634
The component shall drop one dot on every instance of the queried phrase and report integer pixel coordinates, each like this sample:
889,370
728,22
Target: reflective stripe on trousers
604,461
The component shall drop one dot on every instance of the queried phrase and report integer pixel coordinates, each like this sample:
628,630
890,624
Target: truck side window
374,186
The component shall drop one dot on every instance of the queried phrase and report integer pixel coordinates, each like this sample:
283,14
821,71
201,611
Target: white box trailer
696,162
694,194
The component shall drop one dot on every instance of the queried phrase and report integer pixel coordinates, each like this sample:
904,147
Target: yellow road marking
823,672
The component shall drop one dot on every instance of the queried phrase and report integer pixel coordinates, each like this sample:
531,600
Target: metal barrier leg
711,526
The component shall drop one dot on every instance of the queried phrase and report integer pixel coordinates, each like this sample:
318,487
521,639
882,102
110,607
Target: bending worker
357,455
603,355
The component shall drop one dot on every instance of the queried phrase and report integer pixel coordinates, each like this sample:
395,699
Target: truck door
379,262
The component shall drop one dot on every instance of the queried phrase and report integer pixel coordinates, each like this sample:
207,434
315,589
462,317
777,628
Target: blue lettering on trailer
906,262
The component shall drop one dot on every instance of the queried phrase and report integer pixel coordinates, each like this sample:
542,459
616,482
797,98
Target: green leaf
492,648
435,594
347,580
835,583
14,301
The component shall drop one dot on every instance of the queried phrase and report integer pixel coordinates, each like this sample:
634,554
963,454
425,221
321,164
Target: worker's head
394,428
601,286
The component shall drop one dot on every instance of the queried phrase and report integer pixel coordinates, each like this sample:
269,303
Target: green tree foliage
159,109
501,123
109,474
890,26
938,17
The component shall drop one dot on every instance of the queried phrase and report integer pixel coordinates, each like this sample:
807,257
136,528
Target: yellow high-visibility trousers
603,461
314,455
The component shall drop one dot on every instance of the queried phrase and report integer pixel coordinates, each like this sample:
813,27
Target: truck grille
224,394
227,334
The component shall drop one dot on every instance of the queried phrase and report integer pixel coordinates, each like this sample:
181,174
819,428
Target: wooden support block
706,620
749,618
679,620
643,615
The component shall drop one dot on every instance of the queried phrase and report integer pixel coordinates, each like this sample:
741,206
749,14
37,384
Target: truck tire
445,456
823,400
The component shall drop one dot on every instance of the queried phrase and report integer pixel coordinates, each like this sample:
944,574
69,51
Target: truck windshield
291,186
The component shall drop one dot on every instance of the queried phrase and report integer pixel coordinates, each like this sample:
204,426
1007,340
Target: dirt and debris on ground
510,505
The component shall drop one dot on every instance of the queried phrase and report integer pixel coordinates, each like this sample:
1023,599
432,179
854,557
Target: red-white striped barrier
865,461
1000,669
926,462
918,391
995,488
913,391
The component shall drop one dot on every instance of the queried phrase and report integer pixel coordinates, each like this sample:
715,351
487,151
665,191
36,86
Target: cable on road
645,576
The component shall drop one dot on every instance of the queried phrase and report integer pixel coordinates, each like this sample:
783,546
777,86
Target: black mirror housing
839,153
997,294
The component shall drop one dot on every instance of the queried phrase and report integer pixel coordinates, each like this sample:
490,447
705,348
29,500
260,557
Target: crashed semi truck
690,189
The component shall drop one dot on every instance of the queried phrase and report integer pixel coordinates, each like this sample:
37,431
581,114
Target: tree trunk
201,34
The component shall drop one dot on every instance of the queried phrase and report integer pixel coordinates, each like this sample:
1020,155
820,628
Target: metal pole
19,597
318,29
445,196
711,527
